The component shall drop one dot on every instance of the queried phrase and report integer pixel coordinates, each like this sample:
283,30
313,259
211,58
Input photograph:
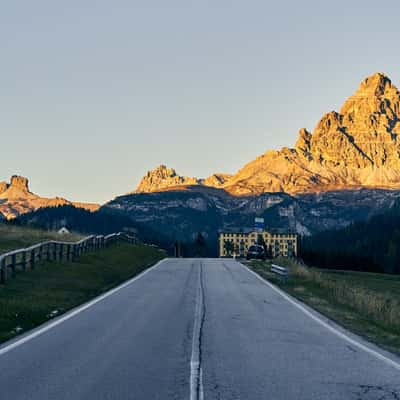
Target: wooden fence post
61,251
54,252
14,262
76,251
50,251
33,255
40,255
23,262
68,252
3,270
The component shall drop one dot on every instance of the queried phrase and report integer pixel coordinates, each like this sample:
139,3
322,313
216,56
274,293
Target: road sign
259,224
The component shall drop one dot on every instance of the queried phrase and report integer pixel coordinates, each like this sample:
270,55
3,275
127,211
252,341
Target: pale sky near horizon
95,93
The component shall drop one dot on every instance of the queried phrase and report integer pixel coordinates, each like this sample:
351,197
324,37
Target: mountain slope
371,245
162,178
181,214
17,199
356,147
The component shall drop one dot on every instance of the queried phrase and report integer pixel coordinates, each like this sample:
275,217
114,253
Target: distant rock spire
19,182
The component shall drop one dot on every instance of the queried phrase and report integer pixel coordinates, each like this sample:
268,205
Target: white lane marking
201,389
342,335
73,313
196,374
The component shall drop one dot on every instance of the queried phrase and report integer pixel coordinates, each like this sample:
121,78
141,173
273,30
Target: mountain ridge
16,199
357,147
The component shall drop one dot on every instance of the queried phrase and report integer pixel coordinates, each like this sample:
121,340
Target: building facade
277,243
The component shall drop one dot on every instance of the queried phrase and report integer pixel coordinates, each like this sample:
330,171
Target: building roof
276,231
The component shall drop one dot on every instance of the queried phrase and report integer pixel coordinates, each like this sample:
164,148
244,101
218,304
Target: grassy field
33,297
15,237
367,304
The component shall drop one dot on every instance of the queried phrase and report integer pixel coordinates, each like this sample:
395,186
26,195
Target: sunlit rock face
17,199
357,147
162,178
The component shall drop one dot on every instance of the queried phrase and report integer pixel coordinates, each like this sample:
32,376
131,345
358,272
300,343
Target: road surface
194,329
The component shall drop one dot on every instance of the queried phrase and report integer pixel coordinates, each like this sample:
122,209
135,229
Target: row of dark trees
196,248
372,246
87,222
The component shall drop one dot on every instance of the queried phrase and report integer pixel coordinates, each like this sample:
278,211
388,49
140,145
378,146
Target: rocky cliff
181,214
359,146
17,199
162,178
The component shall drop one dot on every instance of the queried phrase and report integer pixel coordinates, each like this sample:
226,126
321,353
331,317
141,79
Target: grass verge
14,237
365,303
33,297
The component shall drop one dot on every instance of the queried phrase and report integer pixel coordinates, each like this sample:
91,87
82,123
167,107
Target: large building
277,243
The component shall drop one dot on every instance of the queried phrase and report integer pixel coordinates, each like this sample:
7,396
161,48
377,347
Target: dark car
256,252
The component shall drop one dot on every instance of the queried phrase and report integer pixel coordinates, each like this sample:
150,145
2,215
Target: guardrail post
32,259
14,262
48,251
3,270
69,252
54,252
23,262
40,255
73,257
61,252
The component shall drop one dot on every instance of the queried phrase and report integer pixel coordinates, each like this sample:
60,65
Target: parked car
256,252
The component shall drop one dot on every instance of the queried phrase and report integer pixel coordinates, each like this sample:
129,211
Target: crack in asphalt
196,373
384,393
201,330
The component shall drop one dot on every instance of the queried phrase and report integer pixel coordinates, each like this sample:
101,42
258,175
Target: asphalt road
195,329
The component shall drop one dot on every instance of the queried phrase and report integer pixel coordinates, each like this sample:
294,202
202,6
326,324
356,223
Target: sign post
259,224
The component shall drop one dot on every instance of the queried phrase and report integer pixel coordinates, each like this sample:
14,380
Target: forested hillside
372,245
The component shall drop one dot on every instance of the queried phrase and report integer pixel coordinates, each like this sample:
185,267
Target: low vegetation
366,303
36,296
14,237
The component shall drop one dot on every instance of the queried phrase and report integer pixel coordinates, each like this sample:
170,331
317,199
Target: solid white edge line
332,329
72,313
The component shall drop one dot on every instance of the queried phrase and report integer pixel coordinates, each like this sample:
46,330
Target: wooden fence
53,250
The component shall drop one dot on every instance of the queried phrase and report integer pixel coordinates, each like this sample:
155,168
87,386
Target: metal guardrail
281,271
54,250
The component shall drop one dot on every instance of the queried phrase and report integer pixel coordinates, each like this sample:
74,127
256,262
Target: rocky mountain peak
375,95
356,147
375,85
3,187
162,171
17,199
161,178
19,182
18,188
304,141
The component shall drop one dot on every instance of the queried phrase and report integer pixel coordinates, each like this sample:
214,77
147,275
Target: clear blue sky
95,93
